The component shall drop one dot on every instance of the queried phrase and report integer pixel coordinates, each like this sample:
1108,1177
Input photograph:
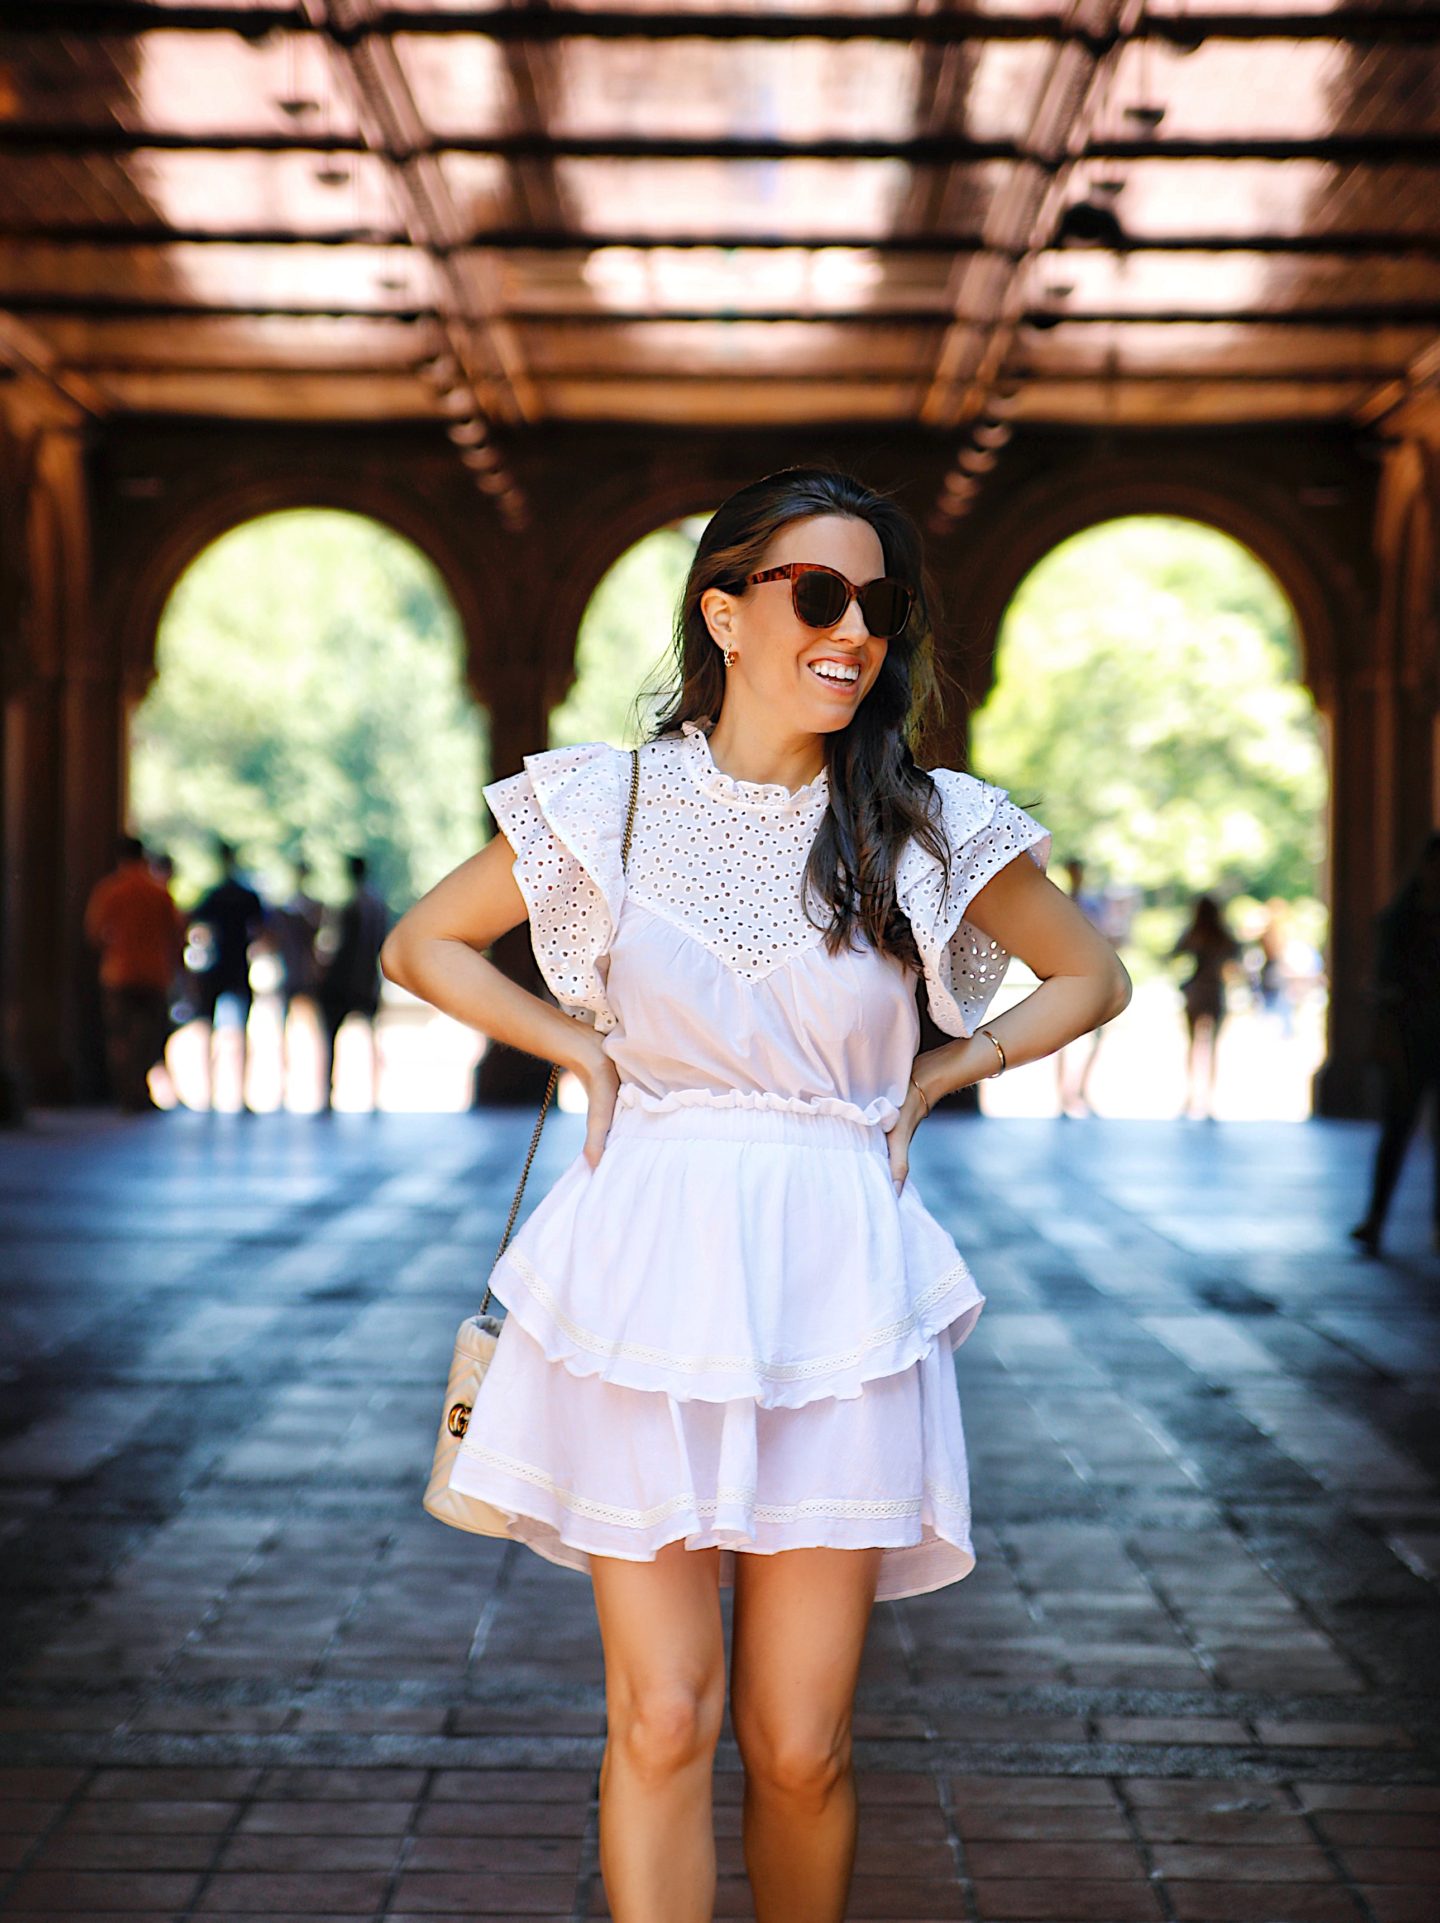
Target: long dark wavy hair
879,795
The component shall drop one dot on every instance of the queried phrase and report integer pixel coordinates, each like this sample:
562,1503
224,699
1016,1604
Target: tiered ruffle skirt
733,1333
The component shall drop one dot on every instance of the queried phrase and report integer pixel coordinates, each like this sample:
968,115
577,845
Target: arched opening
1148,706
622,648
310,705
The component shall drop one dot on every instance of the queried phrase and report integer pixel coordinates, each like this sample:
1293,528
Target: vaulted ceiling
1180,211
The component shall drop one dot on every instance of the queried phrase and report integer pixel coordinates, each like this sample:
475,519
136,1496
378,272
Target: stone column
14,679
61,808
1342,1086
91,720
967,667
516,688
1383,798
34,921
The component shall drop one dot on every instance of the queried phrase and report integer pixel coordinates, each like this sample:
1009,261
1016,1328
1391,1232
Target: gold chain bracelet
921,1093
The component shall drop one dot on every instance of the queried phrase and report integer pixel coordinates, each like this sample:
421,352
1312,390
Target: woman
727,1354
1407,1039
1211,946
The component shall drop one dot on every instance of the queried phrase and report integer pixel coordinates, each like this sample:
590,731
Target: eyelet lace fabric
564,817
723,860
985,830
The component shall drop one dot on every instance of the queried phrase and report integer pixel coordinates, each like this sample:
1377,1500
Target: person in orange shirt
131,918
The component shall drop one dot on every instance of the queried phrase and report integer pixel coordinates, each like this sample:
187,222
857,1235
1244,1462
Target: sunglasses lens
819,598
885,606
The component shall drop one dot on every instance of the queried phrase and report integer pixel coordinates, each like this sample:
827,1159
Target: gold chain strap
550,1086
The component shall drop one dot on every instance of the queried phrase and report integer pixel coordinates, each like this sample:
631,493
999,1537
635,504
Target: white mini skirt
730,1333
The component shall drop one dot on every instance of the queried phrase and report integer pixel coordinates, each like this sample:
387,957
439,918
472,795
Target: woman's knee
665,1726
664,1647
802,1761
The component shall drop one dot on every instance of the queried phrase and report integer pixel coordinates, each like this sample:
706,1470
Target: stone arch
1419,590
295,586
1296,573
139,593
621,517
1039,515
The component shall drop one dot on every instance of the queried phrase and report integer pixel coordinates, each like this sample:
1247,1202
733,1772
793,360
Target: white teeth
833,671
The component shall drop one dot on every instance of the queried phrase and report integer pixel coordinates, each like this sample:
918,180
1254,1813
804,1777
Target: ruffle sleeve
985,829
564,815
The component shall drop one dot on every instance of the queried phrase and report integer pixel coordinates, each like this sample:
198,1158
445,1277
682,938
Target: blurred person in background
1272,977
350,979
1073,1093
140,934
178,1006
233,916
1407,1036
1213,950
295,931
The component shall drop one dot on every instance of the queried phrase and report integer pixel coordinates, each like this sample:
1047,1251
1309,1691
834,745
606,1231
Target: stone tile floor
1193,1676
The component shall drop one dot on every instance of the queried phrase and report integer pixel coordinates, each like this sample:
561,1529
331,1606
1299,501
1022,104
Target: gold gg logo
458,1420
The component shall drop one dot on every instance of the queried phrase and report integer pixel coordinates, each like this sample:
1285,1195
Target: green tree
311,701
1147,705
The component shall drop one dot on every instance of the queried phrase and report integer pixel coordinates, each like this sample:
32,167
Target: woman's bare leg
1212,1065
1192,1043
207,1057
664,1643
799,1632
1082,1092
244,1056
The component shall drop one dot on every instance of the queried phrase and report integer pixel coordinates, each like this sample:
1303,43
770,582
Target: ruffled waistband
874,1119
712,1119
691,1261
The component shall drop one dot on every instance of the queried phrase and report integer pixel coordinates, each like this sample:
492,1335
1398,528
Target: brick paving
1193,1676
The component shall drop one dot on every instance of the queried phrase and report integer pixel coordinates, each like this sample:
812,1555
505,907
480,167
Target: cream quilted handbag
479,1334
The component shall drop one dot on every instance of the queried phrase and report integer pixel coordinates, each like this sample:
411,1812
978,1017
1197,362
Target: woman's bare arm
434,952
1083,982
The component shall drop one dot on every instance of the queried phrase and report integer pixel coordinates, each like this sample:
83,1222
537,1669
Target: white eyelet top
699,965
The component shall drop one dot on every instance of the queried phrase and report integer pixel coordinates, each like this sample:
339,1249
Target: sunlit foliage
1148,706
624,643
311,700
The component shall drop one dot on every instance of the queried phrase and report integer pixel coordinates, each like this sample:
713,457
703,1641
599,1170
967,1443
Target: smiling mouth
833,674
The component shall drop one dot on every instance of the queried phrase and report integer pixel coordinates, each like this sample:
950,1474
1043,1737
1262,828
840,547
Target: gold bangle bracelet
921,1093
998,1049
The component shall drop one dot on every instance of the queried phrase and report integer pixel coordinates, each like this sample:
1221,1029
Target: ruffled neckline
719,786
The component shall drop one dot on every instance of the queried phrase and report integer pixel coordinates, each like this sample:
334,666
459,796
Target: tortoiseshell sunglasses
820,596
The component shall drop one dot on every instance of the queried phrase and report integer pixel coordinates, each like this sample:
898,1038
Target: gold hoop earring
732,655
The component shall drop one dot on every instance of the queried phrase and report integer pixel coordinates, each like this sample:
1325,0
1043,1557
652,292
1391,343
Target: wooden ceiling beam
1359,317
901,370
473,316
1373,25
1421,376
27,353
128,307
118,237
1022,219
919,150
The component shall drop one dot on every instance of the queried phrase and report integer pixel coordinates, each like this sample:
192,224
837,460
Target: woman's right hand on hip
601,1083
